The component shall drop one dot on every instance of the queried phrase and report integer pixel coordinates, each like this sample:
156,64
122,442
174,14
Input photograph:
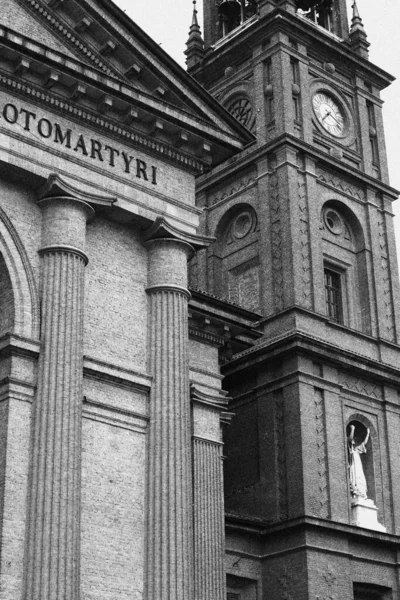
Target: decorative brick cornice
107,126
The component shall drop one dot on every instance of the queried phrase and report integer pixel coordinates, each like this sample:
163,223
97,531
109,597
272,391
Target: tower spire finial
356,21
358,35
195,43
195,22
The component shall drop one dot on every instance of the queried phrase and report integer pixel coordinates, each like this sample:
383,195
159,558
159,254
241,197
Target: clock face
329,114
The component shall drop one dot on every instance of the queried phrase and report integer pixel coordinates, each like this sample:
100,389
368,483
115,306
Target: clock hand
335,119
326,115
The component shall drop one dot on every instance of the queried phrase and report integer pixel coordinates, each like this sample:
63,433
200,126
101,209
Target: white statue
358,483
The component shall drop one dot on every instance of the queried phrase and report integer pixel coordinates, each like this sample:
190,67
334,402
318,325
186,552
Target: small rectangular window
372,133
295,70
269,71
371,114
333,295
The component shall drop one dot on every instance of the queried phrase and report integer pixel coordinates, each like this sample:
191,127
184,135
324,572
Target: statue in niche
358,483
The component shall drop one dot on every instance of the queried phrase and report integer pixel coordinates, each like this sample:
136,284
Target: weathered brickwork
117,270
113,469
159,442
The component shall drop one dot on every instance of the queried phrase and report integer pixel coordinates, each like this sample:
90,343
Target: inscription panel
48,142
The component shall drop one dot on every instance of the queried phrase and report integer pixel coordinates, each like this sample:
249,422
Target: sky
168,24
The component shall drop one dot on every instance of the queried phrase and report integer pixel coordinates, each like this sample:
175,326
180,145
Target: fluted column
53,543
169,565
209,520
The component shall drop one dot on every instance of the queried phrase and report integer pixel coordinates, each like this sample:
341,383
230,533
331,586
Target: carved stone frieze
389,330
305,250
340,183
361,386
321,455
276,240
231,190
281,455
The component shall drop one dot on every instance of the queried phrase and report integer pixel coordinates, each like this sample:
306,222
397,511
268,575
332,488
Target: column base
364,513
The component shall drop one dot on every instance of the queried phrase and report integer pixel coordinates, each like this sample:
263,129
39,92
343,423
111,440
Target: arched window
235,258
345,267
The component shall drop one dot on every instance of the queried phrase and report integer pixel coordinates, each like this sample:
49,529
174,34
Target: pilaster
282,80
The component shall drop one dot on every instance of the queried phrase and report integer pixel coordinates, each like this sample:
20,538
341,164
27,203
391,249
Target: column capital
163,229
58,188
66,211
169,250
88,210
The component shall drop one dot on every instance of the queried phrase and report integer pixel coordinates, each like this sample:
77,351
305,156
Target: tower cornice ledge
256,527
255,153
301,342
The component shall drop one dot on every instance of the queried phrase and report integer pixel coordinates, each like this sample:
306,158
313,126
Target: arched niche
361,427
19,298
346,266
235,257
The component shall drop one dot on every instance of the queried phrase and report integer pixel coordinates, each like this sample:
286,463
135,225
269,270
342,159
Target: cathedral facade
199,308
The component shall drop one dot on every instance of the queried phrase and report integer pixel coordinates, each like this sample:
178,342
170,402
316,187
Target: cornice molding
111,84
107,126
206,337
126,378
302,342
258,152
220,401
14,344
65,33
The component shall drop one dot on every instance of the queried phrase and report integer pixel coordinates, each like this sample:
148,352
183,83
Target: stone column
209,413
169,566
53,542
209,520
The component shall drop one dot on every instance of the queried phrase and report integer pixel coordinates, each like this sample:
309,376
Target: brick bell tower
304,237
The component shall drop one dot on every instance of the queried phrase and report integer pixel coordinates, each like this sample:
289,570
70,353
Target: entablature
220,323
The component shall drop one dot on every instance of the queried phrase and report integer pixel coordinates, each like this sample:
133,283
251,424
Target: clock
329,113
